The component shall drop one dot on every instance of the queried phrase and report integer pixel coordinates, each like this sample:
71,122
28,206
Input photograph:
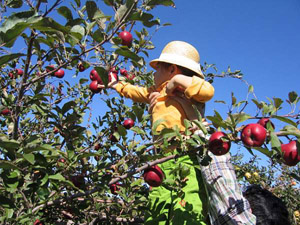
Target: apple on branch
59,73
19,72
264,121
218,144
291,155
94,87
153,176
126,38
128,123
253,135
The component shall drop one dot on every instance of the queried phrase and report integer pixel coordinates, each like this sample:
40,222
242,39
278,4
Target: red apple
5,112
264,121
19,72
94,87
253,135
38,222
218,146
153,176
130,76
114,188
61,160
80,67
95,76
59,73
11,75
128,123
123,72
290,153
126,38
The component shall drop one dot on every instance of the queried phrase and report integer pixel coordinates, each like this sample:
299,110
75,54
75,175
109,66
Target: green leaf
58,177
98,36
290,130
30,158
293,97
233,99
8,165
161,2
14,26
67,106
121,12
258,104
50,25
250,89
65,12
277,102
79,30
93,11
103,74
6,202
14,3
121,130
286,120
139,112
265,151
275,142
7,58
127,54
9,144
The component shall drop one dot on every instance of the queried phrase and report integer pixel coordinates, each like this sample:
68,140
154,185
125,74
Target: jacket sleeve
200,90
137,94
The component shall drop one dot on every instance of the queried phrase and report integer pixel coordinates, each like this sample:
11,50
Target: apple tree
60,162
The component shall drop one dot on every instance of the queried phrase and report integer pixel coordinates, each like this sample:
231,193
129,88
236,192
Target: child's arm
193,87
137,94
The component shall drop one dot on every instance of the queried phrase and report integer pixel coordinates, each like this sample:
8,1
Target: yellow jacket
167,108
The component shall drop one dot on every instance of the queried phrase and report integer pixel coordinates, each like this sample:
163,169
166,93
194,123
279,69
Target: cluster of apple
125,73
253,135
60,73
96,79
15,73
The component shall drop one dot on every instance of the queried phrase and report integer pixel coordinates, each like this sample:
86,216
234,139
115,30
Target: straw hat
182,54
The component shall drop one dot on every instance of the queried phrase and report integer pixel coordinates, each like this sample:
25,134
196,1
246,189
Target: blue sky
261,38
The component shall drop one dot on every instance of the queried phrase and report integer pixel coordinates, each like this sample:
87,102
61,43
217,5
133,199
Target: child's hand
111,84
153,100
178,83
171,87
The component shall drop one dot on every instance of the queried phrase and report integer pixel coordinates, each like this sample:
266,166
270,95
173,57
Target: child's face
164,72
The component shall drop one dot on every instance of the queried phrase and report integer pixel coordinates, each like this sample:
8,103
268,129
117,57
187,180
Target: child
268,209
165,206
176,59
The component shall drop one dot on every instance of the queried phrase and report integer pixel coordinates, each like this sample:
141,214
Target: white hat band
181,60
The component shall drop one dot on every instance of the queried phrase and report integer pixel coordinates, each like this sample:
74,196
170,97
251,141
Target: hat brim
183,63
